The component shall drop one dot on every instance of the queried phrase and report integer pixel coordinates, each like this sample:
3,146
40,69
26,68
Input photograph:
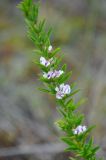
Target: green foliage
30,11
81,144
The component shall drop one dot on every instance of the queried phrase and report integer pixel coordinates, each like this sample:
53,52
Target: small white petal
66,89
50,48
62,90
84,128
50,74
59,95
75,132
80,129
61,86
45,75
57,89
44,62
61,72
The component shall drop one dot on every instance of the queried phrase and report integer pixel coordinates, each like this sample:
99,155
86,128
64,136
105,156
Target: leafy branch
76,135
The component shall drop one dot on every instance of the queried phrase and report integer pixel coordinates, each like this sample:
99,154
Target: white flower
44,62
57,74
53,74
65,88
59,95
48,75
62,90
80,129
50,48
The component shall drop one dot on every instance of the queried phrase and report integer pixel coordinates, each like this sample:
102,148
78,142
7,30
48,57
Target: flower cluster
53,74
80,129
45,62
62,90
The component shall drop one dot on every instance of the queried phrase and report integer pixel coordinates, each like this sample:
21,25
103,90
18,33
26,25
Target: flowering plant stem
76,135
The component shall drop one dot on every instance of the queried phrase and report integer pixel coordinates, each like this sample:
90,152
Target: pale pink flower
44,62
62,90
53,74
80,129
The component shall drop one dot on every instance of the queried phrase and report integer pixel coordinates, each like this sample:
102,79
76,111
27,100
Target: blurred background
27,130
